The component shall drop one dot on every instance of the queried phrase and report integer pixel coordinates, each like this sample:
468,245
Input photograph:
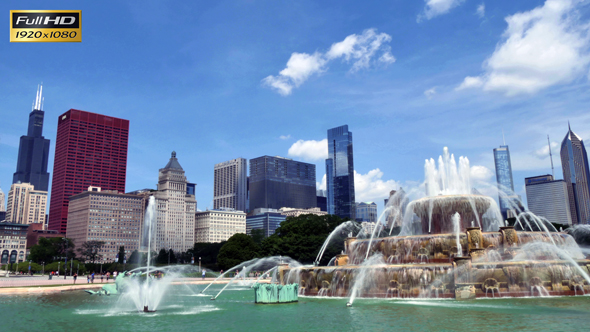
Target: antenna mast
551,157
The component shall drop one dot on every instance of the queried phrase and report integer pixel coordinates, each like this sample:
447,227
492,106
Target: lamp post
43,273
58,265
199,264
169,249
66,259
78,270
29,267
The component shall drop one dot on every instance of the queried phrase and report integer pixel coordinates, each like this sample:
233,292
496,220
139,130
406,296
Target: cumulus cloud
285,136
546,46
481,10
543,152
435,8
430,92
358,49
480,173
371,187
470,82
309,150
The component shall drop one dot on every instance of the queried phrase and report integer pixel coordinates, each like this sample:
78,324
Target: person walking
108,276
75,277
101,277
92,277
88,278
204,274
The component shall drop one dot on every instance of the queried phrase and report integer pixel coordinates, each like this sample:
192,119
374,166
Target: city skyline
401,112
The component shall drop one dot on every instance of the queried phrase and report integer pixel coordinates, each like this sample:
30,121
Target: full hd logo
45,25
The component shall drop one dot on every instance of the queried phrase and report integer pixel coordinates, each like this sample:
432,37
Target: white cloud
481,10
543,152
546,46
321,185
470,82
360,49
435,8
480,173
430,93
285,136
371,188
309,150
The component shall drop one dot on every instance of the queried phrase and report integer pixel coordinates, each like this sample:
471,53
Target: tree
135,257
121,255
302,237
208,253
52,249
90,250
257,235
238,248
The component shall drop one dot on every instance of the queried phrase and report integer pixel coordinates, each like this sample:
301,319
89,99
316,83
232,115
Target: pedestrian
203,274
115,275
101,276
88,278
108,276
92,277
75,277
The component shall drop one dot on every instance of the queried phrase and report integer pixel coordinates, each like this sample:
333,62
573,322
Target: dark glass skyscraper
340,173
506,197
33,151
277,182
574,162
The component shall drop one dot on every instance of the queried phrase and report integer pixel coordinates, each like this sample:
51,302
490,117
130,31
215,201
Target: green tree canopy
121,255
238,248
207,251
52,249
257,235
302,237
90,250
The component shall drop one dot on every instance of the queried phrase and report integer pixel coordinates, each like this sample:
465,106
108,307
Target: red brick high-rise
90,150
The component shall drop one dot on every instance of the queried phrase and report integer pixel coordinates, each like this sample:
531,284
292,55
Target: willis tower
33,151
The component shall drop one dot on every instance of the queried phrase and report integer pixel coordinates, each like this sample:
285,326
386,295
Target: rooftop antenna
39,98
503,139
551,157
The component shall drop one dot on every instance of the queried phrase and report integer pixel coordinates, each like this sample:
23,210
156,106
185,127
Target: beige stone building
13,242
175,209
108,216
2,201
219,225
230,184
291,212
25,204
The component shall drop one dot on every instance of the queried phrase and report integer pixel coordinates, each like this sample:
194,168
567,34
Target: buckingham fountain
452,243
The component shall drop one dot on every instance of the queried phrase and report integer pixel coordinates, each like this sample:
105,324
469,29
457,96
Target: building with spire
175,209
33,150
340,173
506,196
574,162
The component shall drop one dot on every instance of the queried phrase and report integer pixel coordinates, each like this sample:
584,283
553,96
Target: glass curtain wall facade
33,151
574,162
277,182
340,173
504,179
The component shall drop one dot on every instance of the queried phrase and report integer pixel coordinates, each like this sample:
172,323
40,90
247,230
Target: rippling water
184,310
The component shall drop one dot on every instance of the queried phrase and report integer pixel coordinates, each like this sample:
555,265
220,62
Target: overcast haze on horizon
220,80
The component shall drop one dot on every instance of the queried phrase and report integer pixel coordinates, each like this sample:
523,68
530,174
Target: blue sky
225,79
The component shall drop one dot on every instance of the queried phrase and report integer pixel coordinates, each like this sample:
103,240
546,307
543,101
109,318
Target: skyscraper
504,180
340,173
176,209
2,202
277,182
548,198
574,162
230,184
25,204
90,150
33,151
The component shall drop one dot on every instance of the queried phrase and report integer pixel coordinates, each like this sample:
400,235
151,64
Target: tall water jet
457,229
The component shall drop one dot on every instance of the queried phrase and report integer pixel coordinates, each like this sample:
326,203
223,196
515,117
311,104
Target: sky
218,80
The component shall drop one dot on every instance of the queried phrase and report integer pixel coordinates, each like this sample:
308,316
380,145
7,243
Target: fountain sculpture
452,244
